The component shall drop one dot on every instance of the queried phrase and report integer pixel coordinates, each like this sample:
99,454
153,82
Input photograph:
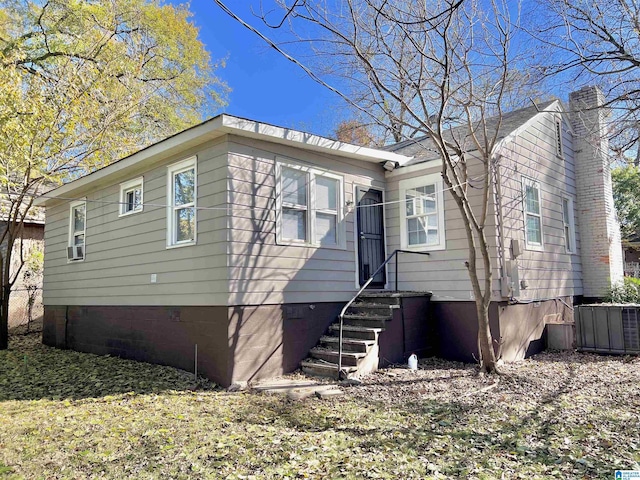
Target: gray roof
423,148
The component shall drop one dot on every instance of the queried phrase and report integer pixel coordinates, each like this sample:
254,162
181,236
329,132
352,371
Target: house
24,293
234,245
631,249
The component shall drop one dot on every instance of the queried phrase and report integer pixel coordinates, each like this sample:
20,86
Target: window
532,214
308,206
181,211
569,226
294,204
558,137
131,197
422,213
77,227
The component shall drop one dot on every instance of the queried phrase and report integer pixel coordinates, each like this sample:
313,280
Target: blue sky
264,85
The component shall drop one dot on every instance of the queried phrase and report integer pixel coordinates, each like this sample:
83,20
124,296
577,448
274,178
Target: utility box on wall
608,328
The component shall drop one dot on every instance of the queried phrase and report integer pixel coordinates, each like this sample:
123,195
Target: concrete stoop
298,390
363,322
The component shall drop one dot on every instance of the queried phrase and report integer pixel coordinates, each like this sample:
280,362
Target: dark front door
370,236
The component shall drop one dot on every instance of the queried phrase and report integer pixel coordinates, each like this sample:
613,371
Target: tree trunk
485,346
4,320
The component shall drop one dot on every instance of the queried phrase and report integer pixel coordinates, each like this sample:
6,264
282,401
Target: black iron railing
366,284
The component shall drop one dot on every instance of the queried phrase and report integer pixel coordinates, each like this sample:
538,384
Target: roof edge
215,127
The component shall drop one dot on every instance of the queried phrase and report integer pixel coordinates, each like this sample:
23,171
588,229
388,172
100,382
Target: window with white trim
422,213
569,224
309,203
131,197
181,209
77,229
532,208
558,131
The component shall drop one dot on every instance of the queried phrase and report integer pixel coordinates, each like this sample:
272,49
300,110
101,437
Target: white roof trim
287,136
216,127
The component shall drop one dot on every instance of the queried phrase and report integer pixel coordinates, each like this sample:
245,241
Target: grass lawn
70,415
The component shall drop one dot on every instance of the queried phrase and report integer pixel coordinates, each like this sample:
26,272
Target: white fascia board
213,128
153,153
307,141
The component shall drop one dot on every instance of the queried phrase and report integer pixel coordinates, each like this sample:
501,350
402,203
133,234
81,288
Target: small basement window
131,197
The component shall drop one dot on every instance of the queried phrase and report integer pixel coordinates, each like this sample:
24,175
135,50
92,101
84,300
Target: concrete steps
324,369
355,332
365,319
348,344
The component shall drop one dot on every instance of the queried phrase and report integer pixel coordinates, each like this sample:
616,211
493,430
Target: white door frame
357,187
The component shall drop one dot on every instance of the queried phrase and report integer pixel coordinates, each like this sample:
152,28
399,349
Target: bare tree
438,72
597,42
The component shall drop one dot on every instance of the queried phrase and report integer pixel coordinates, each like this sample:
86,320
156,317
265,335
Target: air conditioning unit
75,252
608,328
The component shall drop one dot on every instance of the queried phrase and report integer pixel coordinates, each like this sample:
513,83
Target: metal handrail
366,284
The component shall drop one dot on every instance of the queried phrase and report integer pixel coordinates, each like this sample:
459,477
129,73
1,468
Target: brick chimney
600,245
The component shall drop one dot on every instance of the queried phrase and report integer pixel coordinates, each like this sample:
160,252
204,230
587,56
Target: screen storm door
370,236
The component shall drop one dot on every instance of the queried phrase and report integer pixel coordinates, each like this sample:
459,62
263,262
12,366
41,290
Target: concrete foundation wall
520,328
269,340
245,343
412,330
234,343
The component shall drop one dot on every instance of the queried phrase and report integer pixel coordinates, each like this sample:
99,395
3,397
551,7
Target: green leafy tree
626,195
83,84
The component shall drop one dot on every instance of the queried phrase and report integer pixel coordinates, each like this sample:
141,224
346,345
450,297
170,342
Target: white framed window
181,207
558,132
77,230
532,210
308,206
422,213
131,196
568,224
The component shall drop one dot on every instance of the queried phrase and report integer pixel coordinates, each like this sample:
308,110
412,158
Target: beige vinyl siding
552,272
123,252
443,272
262,271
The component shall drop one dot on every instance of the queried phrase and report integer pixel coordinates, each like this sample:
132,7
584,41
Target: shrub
627,291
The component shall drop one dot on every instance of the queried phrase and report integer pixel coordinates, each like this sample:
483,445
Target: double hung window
131,200
308,206
422,213
77,229
181,209
532,207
